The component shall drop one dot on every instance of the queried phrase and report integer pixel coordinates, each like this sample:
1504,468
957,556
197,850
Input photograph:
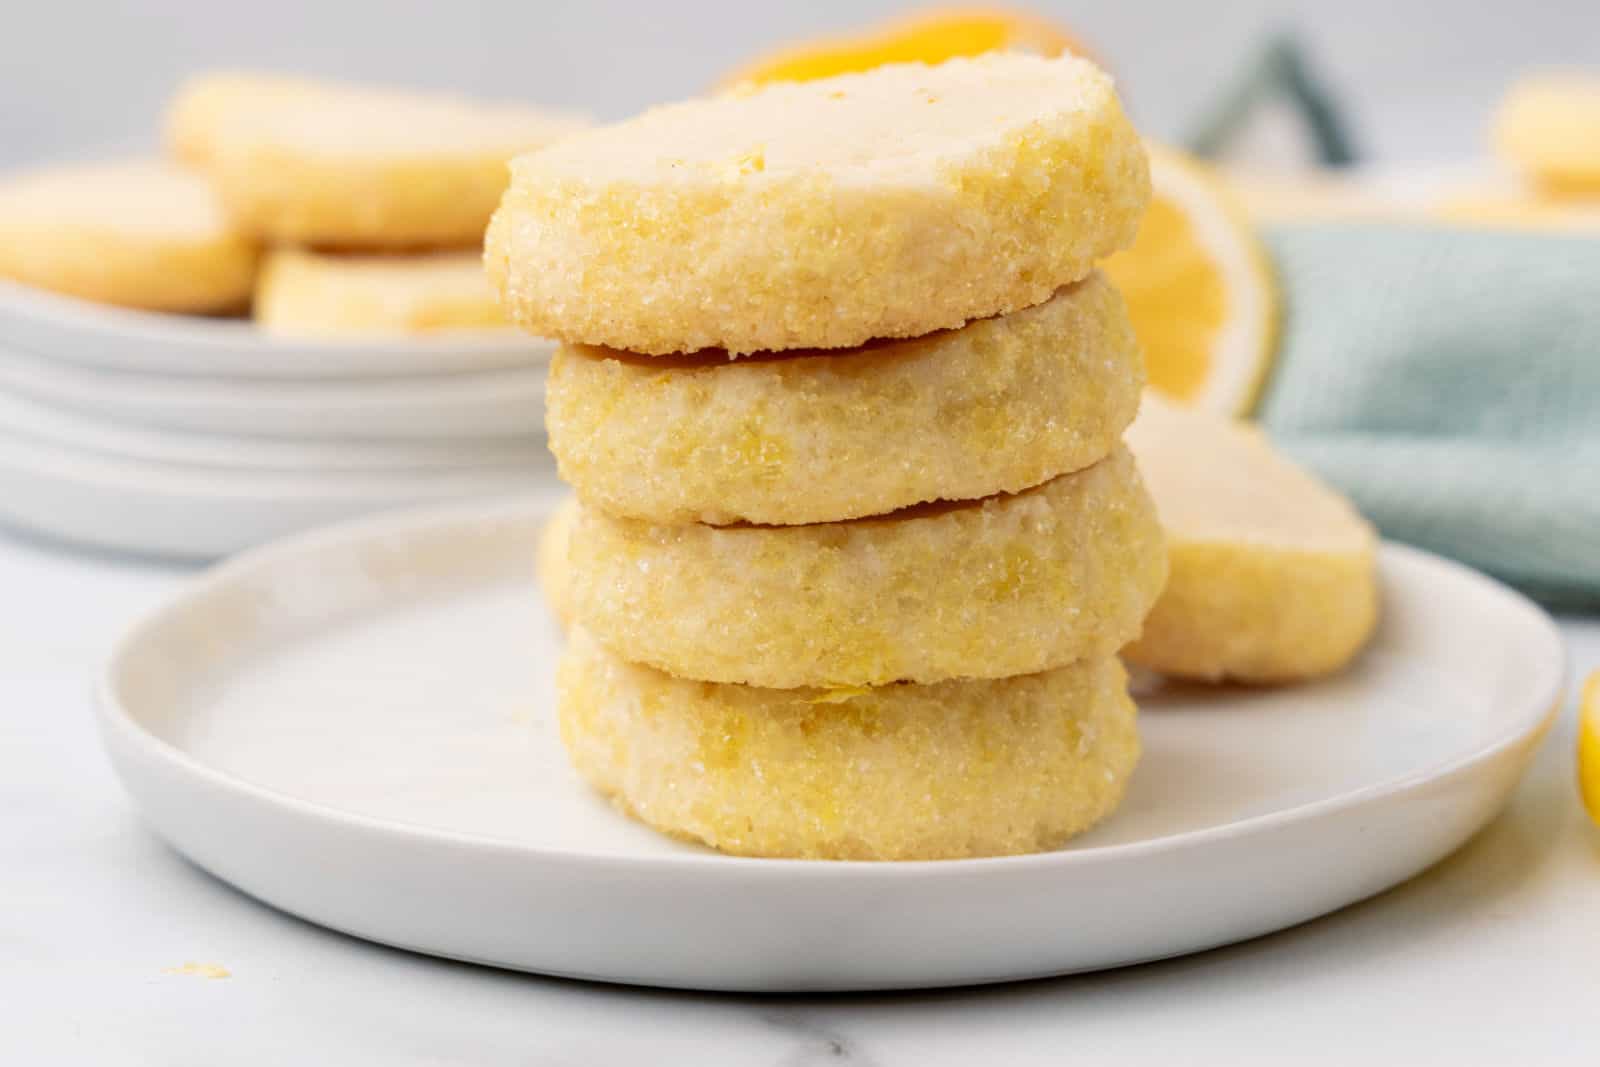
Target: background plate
95,335
171,510
64,430
356,727
501,403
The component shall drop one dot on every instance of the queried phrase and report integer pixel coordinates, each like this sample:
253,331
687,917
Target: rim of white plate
78,332
175,480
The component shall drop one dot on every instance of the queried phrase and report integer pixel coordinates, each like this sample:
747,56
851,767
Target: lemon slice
1200,289
1589,745
927,37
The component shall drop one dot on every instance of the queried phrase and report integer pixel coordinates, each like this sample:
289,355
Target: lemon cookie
825,214
207,103
900,772
1548,126
351,167
1007,585
999,405
555,576
314,294
139,234
1272,573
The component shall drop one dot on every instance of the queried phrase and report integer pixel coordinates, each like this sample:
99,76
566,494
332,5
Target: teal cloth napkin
1448,380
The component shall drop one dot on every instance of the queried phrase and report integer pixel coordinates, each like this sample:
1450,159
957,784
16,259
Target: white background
83,76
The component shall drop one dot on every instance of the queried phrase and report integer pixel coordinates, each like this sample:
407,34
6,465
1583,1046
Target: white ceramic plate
93,335
159,509
60,428
356,727
496,403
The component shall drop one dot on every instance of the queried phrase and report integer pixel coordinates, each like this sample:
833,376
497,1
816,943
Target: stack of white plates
192,437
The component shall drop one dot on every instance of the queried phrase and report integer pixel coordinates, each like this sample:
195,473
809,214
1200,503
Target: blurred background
1421,329
1416,78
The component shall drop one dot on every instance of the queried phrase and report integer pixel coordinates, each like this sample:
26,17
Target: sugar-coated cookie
1273,574
304,293
825,214
138,234
900,772
354,167
206,103
985,589
999,405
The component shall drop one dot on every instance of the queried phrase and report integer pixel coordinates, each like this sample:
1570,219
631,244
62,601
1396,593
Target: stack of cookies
841,396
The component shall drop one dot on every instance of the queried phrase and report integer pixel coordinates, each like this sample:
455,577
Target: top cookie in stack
842,398
825,214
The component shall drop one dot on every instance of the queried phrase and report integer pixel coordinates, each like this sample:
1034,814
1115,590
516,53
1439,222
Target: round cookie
1273,574
1548,126
347,167
985,589
999,405
900,772
823,214
550,563
204,104
137,234
310,294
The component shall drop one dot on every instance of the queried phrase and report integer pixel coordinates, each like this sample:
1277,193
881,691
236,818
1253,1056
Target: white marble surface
1493,957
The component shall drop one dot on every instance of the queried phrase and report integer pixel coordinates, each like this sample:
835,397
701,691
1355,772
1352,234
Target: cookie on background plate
344,166
1273,575
823,214
311,294
139,234
205,103
901,772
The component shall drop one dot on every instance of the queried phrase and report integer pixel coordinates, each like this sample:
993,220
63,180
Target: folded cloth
1449,381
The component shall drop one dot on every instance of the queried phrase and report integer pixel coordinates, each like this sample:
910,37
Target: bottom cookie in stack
946,770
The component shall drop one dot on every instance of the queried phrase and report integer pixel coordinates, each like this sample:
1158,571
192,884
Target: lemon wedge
1589,745
926,37
1200,289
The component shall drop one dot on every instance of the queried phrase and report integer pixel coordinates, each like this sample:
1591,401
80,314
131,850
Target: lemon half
925,37
1589,745
1200,289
